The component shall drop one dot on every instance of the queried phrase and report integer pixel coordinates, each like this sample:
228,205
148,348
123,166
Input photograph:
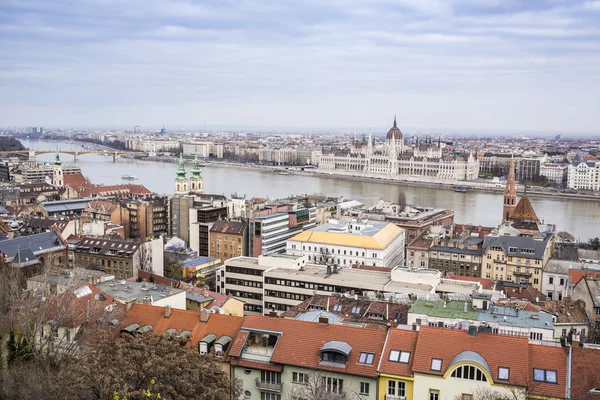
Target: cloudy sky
437,64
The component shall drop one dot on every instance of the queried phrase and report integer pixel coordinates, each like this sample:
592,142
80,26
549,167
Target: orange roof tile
301,342
524,211
585,373
549,358
399,340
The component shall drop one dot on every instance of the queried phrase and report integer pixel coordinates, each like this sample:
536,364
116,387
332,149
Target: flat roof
128,291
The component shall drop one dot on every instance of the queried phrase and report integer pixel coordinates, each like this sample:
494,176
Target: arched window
469,372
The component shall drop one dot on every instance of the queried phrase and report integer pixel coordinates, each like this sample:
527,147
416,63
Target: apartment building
228,239
516,258
555,173
243,278
281,282
349,242
271,227
121,258
584,173
459,256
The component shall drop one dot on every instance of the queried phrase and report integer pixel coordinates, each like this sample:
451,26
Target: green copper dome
181,169
57,160
196,169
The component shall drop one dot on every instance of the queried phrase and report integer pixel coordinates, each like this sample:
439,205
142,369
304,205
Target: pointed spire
181,169
196,168
395,126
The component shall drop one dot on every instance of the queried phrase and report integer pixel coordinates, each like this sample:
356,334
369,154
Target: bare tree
564,236
146,365
320,385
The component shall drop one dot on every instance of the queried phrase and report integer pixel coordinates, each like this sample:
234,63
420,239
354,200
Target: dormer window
436,364
221,346
206,343
335,352
337,308
366,358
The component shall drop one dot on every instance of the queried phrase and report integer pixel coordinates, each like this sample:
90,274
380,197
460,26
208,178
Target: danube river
580,217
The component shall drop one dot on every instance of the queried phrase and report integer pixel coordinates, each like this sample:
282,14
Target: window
364,388
399,356
436,364
544,375
270,377
469,372
337,308
333,357
551,280
562,281
298,377
333,385
465,396
366,358
503,373
355,310
434,394
396,388
269,396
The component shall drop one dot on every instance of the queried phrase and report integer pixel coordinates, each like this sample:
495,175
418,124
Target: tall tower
510,193
58,179
196,179
181,182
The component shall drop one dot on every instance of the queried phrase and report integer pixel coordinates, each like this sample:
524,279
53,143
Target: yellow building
516,258
395,370
199,299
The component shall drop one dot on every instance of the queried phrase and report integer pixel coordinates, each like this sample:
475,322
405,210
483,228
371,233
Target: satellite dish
109,308
97,296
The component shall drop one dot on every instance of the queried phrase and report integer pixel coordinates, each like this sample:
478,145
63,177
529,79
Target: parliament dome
394,133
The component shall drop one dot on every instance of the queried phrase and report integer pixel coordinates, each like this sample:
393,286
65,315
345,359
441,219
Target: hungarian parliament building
393,158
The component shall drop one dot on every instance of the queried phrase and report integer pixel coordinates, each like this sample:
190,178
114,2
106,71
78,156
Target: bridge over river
32,154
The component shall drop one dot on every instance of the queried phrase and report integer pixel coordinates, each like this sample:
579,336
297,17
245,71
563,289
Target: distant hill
10,144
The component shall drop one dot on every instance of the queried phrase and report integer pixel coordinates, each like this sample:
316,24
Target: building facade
228,239
351,242
394,159
584,173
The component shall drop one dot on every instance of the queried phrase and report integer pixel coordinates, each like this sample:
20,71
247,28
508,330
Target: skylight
355,310
337,308
366,358
399,356
436,364
82,292
503,373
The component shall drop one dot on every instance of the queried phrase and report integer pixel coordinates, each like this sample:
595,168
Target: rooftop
38,243
351,233
447,309
129,291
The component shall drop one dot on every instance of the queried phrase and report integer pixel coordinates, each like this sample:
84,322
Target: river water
579,217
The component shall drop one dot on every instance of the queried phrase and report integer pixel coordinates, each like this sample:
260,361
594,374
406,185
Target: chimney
167,311
520,288
472,330
204,315
323,320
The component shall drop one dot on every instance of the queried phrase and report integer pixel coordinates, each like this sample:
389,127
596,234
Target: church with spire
185,185
394,158
518,215
58,178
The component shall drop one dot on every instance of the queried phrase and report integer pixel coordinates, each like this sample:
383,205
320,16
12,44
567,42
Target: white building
394,159
584,173
277,156
203,149
555,173
349,242
280,282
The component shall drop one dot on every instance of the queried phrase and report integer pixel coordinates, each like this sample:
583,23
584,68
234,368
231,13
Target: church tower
196,179
58,179
181,182
510,193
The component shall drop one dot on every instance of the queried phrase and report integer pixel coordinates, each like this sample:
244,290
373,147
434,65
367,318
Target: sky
526,65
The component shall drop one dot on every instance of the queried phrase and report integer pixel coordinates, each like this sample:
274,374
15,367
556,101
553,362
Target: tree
565,237
143,258
319,385
401,201
134,366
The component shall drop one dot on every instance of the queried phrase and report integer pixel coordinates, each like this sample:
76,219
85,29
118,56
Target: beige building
516,258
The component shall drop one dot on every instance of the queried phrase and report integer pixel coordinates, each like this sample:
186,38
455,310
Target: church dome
394,133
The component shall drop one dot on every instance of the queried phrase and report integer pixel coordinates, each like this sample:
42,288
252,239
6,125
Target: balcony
394,397
522,273
270,387
500,261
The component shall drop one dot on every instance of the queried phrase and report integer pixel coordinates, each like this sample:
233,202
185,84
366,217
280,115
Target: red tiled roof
188,320
230,227
257,365
585,373
238,343
400,340
301,342
577,274
498,351
73,180
550,358
485,282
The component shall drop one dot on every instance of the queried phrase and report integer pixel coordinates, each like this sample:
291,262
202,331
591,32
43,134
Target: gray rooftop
520,243
66,205
129,291
39,243
509,316
343,226
564,266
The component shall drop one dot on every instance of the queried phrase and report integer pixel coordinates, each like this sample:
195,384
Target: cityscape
182,228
